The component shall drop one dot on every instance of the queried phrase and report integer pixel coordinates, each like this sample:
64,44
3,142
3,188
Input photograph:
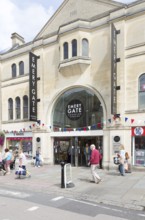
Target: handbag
116,160
4,161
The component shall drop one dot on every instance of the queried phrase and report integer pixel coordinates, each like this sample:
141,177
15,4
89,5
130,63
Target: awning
19,138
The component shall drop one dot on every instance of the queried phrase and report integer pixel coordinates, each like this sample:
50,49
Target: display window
140,151
16,143
138,134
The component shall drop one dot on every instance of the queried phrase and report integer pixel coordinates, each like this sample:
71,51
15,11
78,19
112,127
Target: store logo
74,109
138,131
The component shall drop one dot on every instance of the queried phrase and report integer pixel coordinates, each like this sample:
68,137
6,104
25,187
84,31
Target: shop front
77,121
72,149
138,143
19,140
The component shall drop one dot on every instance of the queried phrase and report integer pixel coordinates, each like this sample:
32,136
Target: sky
26,17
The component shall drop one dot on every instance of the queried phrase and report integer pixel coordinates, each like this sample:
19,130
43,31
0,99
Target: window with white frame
18,108
65,50
14,70
142,91
10,109
25,107
74,48
21,68
85,47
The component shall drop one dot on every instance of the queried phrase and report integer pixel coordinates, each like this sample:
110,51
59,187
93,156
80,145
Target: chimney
17,39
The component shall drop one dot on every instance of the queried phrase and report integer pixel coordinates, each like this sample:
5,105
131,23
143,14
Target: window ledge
135,111
75,64
15,121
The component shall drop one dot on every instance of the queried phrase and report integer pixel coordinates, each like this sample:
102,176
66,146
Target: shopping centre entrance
72,149
78,110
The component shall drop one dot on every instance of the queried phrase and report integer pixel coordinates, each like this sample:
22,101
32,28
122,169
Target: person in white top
121,156
22,159
22,170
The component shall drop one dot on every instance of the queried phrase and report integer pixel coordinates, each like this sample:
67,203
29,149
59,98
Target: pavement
125,191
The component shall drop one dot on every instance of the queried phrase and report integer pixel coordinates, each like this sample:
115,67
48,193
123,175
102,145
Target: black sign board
114,71
33,86
74,109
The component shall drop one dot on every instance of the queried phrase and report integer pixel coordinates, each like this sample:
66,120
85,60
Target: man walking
94,161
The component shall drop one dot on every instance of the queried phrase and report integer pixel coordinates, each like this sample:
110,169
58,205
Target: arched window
65,50
21,68
25,107
18,108
142,91
14,70
10,109
85,47
78,108
74,48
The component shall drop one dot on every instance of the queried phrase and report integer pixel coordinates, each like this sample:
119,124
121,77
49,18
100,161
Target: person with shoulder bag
121,156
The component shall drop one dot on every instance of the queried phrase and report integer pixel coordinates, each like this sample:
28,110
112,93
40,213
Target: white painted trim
77,133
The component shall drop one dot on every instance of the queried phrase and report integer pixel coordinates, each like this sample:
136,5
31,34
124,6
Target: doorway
72,149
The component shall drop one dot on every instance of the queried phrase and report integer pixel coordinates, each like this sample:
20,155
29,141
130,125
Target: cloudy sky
26,17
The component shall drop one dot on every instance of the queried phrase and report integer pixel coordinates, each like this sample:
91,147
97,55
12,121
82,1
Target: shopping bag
20,171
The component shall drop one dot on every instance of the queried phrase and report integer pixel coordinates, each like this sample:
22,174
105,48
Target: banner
33,86
113,70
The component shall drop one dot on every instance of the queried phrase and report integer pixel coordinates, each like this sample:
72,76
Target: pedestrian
121,156
22,159
22,165
7,160
127,165
87,153
94,162
37,158
2,165
101,157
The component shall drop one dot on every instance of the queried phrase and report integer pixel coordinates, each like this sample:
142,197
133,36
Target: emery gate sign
74,109
33,86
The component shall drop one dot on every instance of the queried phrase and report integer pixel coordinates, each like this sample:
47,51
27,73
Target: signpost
33,86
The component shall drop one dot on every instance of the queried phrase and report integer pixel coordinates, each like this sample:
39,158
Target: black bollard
62,174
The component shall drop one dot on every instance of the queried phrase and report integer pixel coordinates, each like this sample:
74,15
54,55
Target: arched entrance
78,109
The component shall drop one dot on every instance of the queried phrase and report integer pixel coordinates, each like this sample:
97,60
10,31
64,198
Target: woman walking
37,159
7,160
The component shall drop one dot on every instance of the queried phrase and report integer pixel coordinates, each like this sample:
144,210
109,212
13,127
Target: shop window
140,151
10,109
21,68
25,107
21,142
18,108
14,70
65,50
74,48
85,47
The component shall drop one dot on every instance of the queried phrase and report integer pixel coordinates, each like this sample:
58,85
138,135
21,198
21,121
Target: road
27,204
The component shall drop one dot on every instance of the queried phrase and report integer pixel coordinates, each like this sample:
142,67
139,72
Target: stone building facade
90,83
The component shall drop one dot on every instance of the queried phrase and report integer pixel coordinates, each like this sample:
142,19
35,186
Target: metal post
62,174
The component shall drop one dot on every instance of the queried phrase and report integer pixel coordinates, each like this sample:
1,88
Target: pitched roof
71,10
